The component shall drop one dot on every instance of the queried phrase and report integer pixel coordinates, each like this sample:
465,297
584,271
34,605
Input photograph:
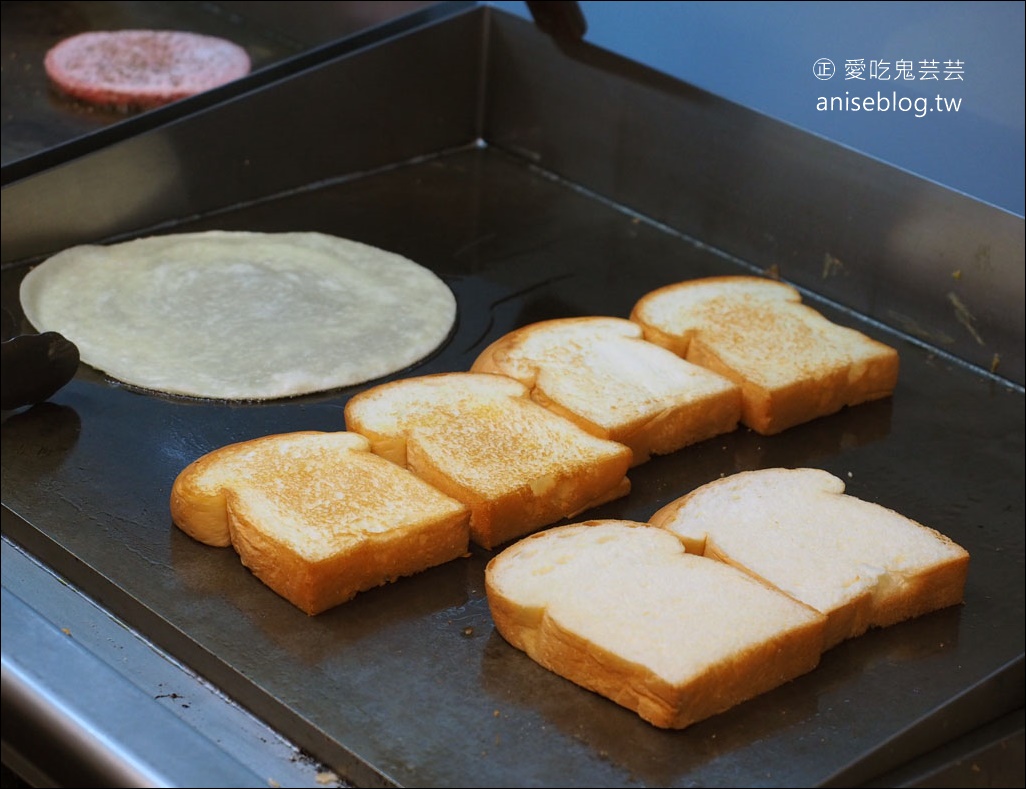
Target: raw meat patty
142,68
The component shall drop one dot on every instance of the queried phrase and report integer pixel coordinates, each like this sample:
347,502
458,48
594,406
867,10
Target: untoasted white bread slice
619,608
480,438
792,363
859,563
601,374
317,516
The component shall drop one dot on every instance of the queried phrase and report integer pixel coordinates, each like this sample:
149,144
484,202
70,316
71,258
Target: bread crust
479,438
601,374
316,516
792,364
875,567
360,565
553,639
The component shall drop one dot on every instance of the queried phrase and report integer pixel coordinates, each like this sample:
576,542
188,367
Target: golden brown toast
317,516
602,375
480,438
792,363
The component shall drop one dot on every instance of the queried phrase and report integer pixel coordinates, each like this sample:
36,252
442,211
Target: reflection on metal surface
90,703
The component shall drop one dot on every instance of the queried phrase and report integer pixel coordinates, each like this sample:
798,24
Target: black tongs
34,366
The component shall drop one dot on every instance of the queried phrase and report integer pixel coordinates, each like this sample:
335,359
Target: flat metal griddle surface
409,683
37,117
41,126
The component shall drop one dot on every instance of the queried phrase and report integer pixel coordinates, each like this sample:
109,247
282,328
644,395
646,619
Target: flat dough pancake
238,315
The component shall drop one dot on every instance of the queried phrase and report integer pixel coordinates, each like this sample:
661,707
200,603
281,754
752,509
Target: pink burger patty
143,68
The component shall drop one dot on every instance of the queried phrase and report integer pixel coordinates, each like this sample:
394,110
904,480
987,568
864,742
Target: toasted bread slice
480,438
859,563
792,364
317,516
601,374
619,608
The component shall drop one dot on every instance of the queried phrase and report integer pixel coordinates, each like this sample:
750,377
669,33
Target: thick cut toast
792,363
859,563
317,516
619,608
601,374
480,438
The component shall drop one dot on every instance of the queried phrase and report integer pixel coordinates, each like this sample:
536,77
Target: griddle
542,179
